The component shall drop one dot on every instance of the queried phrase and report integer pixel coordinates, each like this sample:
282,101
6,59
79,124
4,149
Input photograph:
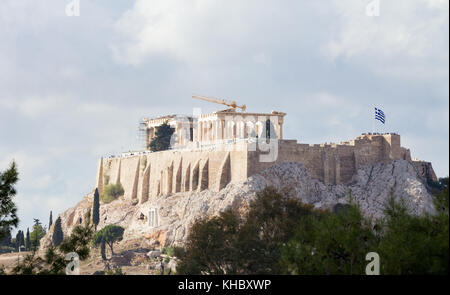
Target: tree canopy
108,235
8,209
161,141
281,235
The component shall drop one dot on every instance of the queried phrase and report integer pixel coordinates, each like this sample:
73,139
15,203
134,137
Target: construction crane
231,104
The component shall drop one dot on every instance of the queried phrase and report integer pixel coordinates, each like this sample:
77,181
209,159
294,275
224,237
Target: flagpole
373,120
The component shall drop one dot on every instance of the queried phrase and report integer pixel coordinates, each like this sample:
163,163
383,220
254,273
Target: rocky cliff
371,186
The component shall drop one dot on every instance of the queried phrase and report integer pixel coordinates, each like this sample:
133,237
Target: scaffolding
142,134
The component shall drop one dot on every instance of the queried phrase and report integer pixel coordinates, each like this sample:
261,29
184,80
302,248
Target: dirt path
10,259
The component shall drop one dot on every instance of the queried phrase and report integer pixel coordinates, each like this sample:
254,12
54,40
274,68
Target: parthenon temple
218,126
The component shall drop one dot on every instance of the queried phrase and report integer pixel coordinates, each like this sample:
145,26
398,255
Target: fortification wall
335,163
167,172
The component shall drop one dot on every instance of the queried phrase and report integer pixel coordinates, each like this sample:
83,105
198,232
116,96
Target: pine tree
161,141
58,235
6,241
96,210
8,209
50,222
27,241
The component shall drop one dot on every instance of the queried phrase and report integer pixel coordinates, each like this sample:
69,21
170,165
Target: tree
108,235
229,244
211,246
37,234
28,241
8,209
6,241
333,243
50,221
78,241
20,240
103,250
54,262
96,209
58,235
161,142
414,244
6,244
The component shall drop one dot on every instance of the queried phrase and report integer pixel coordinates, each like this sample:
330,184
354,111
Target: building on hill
211,150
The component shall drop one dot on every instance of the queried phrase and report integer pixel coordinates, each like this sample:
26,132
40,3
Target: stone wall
336,163
167,172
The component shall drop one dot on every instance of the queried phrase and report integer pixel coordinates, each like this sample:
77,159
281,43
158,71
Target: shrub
111,192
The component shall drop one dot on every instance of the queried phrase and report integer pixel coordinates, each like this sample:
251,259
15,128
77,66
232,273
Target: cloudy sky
73,88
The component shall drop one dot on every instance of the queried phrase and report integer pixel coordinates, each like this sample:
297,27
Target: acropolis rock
219,161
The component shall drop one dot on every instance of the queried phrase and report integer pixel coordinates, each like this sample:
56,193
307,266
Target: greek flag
379,115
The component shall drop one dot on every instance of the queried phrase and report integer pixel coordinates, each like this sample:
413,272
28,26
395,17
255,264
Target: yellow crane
231,104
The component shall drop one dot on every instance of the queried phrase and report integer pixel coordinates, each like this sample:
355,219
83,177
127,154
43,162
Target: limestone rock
371,187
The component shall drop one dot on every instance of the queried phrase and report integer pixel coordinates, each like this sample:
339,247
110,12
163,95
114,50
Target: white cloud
409,38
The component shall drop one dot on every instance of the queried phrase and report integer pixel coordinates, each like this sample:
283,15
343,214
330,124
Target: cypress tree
17,245
58,235
96,209
22,239
27,241
50,222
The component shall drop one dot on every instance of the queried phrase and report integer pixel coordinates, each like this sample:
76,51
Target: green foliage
20,240
78,241
58,235
280,235
172,251
338,243
8,209
36,235
96,209
28,241
414,244
108,235
54,262
331,243
441,196
226,244
161,142
111,192
6,240
211,246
